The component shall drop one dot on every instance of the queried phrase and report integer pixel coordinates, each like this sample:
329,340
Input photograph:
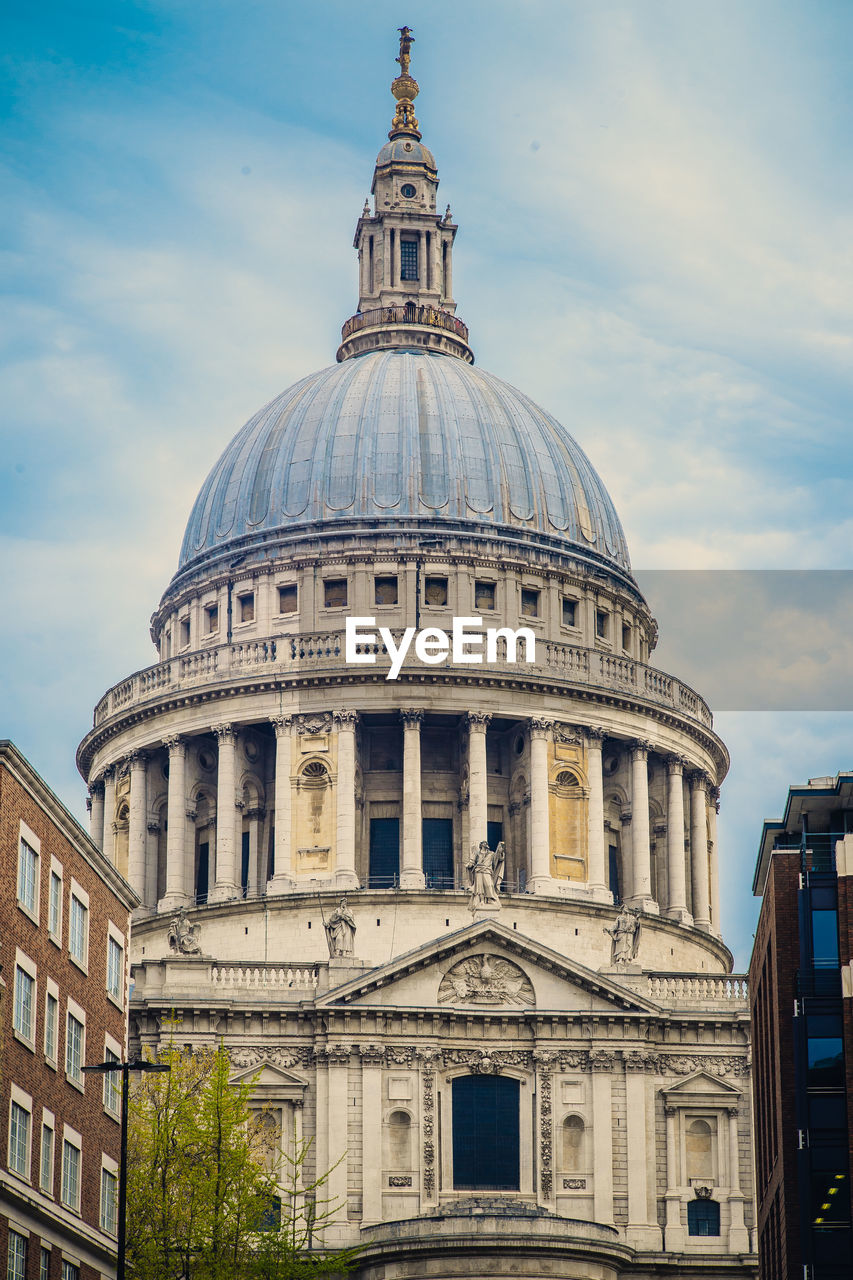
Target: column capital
175,745
411,718
714,797
282,725
675,764
138,759
89,803
96,787
699,780
477,720
539,728
108,773
345,720
640,748
224,733
594,738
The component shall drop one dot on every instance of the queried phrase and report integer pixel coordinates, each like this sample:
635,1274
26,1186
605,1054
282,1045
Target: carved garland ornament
429,1123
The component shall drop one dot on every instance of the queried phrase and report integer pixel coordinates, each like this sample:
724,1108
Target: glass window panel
703,1218
51,1016
825,1062
115,958
78,926
22,1018
27,876
408,259
46,1176
19,1140
830,1200
70,1175
485,1133
825,938
16,1258
55,920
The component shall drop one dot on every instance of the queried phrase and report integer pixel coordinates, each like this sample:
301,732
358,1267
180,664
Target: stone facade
253,776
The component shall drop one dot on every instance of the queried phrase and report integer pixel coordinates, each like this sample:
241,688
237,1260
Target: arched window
399,1141
485,1133
703,1218
573,1130
699,1146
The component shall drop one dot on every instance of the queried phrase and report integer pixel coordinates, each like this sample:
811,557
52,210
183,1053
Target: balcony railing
405,313
697,989
289,655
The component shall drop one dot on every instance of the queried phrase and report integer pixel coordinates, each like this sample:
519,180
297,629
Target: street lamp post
125,1068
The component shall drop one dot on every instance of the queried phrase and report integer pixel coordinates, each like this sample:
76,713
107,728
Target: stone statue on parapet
183,936
340,930
485,870
625,932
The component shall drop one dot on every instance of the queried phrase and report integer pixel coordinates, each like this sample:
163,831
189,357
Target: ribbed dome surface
393,436
405,150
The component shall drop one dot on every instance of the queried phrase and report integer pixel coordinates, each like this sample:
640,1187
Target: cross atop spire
405,89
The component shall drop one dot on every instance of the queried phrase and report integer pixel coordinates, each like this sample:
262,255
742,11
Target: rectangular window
23,1015
70,1194
825,938
626,638
16,1264
109,1202
246,605
385,590
825,1051
484,595
408,258
70,1271
46,1171
185,632
570,612
54,924
115,968
112,1088
288,598
529,603
28,878
335,593
211,618
19,1140
435,592
44,1264
78,930
75,1033
51,1023
602,620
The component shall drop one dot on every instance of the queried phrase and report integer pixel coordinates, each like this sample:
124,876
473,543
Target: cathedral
422,836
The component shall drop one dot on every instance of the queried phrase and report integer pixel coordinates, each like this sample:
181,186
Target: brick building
803,1064
64,920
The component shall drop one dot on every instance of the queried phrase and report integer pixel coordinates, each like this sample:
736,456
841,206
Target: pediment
701,1087
487,968
267,1078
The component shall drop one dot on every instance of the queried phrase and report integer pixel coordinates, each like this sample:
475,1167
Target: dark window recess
386,750
601,624
830,1194
407,190
185,632
385,590
270,1216
827,1112
613,872
438,852
202,872
825,1062
408,259
335,593
247,607
484,595
494,755
384,852
825,938
435,592
626,638
485,1133
244,865
211,615
494,833
529,603
570,612
287,599
703,1218
438,750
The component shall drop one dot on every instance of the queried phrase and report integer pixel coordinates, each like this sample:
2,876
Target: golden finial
405,89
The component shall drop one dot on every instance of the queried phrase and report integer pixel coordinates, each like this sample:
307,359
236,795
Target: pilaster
540,879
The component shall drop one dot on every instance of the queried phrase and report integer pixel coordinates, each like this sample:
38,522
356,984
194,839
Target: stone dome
405,149
396,437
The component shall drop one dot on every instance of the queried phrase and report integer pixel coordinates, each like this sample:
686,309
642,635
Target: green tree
209,1195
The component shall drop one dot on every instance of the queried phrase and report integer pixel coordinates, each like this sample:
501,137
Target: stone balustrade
262,977
288,655
697,989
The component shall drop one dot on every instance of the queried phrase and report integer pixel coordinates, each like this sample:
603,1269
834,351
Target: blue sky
655,225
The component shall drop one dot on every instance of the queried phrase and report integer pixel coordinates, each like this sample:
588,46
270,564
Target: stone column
226,885
449,243
674,1230
96,823
345,874
641,872
597,869
412,869
138,826
699,851
255,817
714,860
422,260
540,879
108,845
738,1234
677,905
337,1114
283,878
642,1231
601,1065
372,1059
176,834
478,723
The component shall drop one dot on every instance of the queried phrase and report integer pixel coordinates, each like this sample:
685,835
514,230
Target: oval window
407,190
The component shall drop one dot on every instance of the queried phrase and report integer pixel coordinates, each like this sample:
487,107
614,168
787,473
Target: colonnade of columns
702,910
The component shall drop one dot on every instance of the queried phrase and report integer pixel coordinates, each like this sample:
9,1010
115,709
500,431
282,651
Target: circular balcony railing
404,314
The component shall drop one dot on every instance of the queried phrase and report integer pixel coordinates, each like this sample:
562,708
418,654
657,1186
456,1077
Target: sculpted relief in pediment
486,979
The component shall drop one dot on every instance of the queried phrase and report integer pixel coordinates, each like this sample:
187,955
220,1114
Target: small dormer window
408,258
408,190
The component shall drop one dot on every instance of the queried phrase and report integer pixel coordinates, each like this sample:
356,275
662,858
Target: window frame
27,839
112,1050
489,584
73,1011
531,592
574,602
329,582
20,1272
29,969
109,1167
51,993
45,1255
78,894
246,599
55,877
115,938
71,1139
288,586
24,1104
48,1125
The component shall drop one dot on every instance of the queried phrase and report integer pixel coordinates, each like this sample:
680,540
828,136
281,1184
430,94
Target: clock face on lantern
407,190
